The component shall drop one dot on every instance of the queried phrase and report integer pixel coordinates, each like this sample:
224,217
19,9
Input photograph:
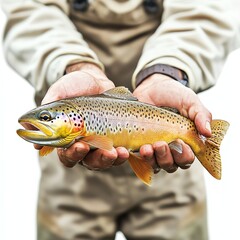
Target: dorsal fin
171,109
120,93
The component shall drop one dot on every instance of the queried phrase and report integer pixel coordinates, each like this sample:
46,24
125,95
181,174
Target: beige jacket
42,37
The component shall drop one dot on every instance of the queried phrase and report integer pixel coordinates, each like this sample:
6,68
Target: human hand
84,79
161,90
81,79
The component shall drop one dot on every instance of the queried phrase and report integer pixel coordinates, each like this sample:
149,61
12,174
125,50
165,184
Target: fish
116,118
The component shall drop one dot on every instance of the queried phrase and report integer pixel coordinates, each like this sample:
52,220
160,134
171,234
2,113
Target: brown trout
116,118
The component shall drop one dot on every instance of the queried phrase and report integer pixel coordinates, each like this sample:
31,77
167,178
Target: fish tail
209,156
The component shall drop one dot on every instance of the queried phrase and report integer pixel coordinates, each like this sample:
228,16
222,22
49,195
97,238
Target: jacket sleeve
40,41
195,36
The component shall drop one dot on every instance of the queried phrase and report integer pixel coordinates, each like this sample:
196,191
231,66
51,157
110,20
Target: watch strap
164,69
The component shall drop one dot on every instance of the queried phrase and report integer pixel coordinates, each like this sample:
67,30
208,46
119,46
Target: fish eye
45,116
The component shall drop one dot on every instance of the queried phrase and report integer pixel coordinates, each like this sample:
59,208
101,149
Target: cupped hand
84,79
161,90
87,79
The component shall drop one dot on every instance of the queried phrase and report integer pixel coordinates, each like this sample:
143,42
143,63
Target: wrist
81,66
94,72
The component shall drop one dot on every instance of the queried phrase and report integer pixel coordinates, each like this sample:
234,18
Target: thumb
198,113
203,123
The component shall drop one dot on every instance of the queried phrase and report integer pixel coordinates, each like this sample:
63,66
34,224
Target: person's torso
117,31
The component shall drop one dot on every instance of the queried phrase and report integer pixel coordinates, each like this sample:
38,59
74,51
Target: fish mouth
35,131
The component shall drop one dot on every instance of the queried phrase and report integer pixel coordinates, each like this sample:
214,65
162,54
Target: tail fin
210,156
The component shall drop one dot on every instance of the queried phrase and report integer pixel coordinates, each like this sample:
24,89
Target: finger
38,147
147,153
164,157
75,153
123,155
184,159
100,159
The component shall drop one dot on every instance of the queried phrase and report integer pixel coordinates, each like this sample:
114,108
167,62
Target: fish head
56,124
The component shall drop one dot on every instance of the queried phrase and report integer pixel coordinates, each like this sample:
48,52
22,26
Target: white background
19,172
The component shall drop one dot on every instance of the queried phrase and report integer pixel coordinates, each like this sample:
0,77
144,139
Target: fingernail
177,146
68,162
148,158
172,168
208,126
105,159
163,151
81,153
78,150
157,170
61,152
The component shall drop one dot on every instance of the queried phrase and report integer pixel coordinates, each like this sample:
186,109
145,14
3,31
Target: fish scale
124,120
116,118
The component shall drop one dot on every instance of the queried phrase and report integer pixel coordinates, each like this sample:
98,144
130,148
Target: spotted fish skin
131,123
116,118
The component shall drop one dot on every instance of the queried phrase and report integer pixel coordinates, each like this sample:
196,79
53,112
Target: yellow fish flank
115,118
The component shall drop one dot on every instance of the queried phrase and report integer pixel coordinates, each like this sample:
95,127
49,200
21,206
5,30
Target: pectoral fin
98,141
142,168
45,150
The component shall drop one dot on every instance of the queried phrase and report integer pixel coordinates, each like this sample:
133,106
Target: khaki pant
81,204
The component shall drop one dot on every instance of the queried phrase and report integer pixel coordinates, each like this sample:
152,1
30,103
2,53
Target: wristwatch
164,69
